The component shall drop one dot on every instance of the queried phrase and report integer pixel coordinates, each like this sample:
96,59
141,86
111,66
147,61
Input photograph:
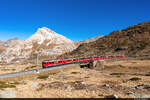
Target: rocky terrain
2,48
117,79
92,39
132,41
88,40
45,41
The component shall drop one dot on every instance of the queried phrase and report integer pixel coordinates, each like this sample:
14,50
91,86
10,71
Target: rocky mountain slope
45,41
78,43
132,41
2,48
92,39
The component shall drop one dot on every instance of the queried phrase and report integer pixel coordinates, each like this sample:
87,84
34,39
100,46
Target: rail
2,76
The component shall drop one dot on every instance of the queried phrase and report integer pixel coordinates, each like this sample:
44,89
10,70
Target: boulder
69,88
106,85
113,96
97,64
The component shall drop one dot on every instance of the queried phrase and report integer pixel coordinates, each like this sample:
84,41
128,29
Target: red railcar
51,63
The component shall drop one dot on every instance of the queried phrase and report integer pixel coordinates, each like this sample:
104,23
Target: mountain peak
45,33
45,30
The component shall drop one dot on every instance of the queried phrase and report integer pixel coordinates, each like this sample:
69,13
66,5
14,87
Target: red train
51,63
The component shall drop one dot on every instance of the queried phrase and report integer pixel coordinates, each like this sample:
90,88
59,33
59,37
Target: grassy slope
134,40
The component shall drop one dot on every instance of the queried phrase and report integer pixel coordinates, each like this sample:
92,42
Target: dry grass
11,68
43,77
74,82
135,79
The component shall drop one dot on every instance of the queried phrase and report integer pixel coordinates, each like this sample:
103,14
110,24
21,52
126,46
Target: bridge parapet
94,64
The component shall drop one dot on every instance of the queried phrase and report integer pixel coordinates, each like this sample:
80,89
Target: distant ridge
92,39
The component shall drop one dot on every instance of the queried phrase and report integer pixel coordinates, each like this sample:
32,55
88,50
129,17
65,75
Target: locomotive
53,63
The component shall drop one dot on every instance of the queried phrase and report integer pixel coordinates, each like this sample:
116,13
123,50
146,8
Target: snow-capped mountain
46,34
45,41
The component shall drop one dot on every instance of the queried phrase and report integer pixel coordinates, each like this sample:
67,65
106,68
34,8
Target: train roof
64,59
77,58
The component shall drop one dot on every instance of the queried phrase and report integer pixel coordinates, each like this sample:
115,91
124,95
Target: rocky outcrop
92,39
97,64
78,43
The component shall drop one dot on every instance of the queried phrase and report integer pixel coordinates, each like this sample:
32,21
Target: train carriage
52,63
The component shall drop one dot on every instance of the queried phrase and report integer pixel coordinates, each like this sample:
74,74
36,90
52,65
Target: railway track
2,76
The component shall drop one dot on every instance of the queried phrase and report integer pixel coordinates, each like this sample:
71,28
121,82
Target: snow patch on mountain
46,41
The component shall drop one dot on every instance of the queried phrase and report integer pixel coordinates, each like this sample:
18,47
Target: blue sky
75,19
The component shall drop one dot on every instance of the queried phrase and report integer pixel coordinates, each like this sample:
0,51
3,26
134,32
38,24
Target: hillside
92,39
78,43
132,41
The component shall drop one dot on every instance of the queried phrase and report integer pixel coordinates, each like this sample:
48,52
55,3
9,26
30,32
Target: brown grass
87,84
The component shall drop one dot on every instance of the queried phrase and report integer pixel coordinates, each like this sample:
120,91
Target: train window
50,62
44,62
59,61
81,58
